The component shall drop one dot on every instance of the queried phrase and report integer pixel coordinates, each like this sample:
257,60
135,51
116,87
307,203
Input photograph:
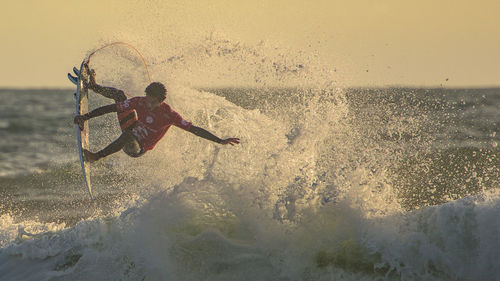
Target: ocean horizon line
430,87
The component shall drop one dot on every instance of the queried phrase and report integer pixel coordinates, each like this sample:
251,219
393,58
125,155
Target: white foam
305,196
455,241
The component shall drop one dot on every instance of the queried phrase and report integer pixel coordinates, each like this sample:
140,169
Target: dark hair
157,89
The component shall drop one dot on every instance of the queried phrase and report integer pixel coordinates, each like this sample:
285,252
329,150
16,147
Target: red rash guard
152,125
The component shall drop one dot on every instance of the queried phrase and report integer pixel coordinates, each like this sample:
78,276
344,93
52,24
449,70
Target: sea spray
320,188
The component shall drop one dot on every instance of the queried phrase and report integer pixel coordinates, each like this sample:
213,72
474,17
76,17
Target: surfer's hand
231,141
79,120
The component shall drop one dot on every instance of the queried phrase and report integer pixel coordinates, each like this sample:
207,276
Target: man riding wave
144,120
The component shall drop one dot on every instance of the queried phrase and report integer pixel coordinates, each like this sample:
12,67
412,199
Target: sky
452,43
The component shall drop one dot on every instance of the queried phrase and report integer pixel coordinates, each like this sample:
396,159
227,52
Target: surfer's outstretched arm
209,136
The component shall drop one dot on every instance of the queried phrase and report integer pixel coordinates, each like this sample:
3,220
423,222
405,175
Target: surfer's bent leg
109,92
133,148
125,138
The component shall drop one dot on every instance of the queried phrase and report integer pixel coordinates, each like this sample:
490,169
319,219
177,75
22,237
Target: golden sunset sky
399,42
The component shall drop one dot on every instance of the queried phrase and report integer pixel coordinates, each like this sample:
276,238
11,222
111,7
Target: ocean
327,184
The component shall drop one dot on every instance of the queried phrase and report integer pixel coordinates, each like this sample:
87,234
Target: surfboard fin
73,79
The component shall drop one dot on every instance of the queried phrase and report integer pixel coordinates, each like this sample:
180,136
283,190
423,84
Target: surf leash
125,44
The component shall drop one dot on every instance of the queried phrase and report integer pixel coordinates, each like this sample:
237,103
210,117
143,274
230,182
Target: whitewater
328,183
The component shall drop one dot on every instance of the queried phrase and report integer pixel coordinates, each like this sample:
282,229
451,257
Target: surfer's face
152,102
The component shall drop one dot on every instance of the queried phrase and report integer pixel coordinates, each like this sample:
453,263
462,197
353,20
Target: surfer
144,120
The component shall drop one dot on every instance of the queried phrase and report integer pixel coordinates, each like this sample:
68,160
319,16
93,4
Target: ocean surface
327,184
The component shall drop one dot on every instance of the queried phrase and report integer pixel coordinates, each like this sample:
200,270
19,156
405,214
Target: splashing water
328,183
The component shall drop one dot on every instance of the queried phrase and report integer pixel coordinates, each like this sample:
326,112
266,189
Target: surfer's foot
90,83
90,156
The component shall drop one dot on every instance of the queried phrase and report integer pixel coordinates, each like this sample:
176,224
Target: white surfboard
82,107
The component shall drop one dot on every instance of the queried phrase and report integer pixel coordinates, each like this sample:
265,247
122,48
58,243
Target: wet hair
157,90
